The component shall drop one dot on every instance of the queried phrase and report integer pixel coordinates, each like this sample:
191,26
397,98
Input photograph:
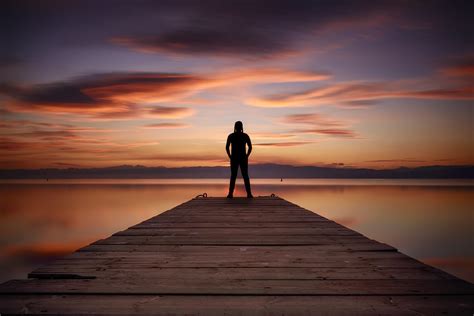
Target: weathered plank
259,256
238,225
233,240
236,305
242,262
250,231
367,247
129,272
145,285
276,253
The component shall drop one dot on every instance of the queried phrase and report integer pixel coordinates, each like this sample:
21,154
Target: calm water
432,221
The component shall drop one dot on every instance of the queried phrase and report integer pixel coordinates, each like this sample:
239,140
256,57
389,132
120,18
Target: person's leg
244,168
234,166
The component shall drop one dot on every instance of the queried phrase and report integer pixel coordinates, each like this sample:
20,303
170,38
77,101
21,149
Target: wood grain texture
261,256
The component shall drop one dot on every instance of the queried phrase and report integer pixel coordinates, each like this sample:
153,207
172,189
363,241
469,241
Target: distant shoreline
258,171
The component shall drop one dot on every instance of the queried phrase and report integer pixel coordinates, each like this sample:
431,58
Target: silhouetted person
239,157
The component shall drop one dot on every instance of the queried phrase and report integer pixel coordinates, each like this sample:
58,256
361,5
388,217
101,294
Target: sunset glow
363,84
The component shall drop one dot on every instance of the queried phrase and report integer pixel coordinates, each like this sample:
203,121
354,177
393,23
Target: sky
376,84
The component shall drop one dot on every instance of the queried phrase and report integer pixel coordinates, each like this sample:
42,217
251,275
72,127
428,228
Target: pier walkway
215,256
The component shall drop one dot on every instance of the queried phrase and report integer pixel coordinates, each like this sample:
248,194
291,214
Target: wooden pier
215,256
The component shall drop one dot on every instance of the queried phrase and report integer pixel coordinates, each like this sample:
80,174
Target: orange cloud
271,135
461,70
9,145
117,95
27,140
345,94
319,124
269,75
137,95
195,157
338,132
406,160
463,67
169,112
165,125
141,87
284,144
310,118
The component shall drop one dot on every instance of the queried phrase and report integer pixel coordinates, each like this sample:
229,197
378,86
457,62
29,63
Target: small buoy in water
281,179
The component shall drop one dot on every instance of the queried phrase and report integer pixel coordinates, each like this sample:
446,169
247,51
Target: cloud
346,93
169,112
28,138
65,164
272,135
165,125
116,95
137,95
71,149
138,87
267,75
338,132
357,104
310,118
182,157
251,28
22,124
55,135
8,144
47,135
406,160
461,67
200,40
461,93
284,144
319,125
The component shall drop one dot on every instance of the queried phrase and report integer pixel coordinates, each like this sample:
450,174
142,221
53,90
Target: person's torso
238,141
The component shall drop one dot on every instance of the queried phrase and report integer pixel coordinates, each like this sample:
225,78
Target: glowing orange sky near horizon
358,85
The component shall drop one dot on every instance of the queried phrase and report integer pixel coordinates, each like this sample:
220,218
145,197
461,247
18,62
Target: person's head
238,126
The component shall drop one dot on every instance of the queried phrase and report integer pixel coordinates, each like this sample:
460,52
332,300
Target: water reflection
429,220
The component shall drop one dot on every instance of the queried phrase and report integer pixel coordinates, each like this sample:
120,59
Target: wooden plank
368,247
274,253
157,273
234,219
238,225
238,231
242,262
235,239
206,256
145,285
237,305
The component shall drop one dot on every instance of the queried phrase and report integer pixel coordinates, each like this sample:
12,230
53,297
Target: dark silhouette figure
239,157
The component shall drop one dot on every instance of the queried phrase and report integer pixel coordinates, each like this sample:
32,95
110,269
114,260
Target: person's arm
227,145
249,144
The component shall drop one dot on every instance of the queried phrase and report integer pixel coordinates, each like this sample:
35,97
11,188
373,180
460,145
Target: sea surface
430,220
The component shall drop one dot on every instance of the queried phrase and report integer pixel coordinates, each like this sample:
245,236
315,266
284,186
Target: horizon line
335,166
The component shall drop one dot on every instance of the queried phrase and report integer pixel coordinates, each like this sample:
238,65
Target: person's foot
229,196
249,196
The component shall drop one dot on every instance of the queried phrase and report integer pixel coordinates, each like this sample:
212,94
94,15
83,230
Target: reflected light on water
429,220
